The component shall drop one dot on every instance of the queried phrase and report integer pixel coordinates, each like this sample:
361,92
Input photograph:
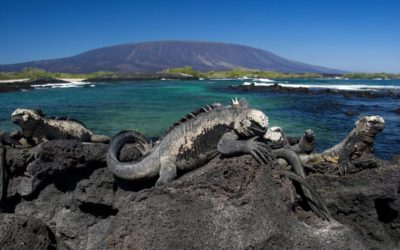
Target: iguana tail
315,202
147,168
292,158
313,199
99,138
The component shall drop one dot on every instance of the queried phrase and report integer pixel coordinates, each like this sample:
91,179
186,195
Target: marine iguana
194,141
36,128
276,138
357,143
200,136
287,155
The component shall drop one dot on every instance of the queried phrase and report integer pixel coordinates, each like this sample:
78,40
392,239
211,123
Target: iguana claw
259,150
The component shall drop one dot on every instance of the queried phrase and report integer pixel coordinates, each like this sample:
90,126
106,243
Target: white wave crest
344,87
256,84
355,87
62,85
263,80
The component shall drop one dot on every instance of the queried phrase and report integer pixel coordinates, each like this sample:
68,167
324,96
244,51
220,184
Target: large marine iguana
199,137
194,141
36,128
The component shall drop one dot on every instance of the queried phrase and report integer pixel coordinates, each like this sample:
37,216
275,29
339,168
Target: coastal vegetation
371,76
34,73
237,73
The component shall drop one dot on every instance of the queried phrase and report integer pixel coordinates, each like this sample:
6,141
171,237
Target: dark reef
276,88
25,85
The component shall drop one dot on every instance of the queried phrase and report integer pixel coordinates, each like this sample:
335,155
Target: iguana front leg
167,172
229,144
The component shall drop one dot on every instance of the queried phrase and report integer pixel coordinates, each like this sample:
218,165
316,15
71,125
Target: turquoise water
152,106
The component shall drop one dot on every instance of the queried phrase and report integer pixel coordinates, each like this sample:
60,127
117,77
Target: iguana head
249,122
309,135
370,125
22,116
274,137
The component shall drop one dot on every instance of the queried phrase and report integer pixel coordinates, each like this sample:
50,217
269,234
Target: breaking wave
352,87
63,85
343,86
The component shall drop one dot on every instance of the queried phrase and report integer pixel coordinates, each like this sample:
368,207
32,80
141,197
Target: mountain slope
157,56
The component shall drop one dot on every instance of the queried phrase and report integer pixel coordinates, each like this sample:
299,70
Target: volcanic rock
230,203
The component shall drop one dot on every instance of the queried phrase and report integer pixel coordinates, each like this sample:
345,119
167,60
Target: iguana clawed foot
259,150
167,172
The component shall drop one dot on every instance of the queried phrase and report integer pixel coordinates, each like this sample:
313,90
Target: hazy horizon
357,36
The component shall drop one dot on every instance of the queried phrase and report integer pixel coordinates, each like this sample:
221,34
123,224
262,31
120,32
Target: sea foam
349,87
62,85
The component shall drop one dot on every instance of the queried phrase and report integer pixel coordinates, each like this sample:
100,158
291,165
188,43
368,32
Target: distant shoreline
29,84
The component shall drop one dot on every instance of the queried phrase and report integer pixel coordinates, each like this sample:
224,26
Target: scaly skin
227,130
357,143
37,129
276,138
312,197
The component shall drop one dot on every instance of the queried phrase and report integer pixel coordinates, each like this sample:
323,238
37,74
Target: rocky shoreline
60,194
276,88
76,203
29,84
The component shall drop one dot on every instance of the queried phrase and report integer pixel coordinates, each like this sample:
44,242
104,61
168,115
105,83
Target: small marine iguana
36,128
194,141
276,138
288,149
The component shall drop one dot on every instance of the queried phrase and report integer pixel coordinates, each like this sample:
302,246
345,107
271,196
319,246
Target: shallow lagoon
152,106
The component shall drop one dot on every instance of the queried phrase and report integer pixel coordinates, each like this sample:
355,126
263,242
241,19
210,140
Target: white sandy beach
72,79
26,79
14,80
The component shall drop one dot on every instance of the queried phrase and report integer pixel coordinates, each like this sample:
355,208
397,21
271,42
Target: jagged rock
368,201
22,232
30,168
98,189
228,204
231,203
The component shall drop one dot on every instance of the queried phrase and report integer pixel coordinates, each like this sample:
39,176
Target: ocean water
152,106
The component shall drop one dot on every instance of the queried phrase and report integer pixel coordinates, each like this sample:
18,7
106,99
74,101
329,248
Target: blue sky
349,35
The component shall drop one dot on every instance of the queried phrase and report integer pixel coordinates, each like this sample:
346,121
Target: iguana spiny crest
228,130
